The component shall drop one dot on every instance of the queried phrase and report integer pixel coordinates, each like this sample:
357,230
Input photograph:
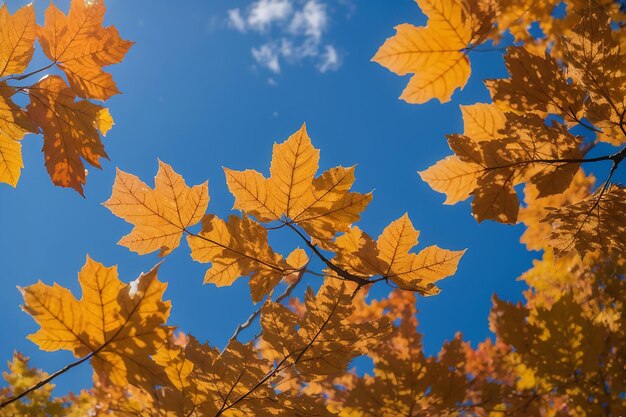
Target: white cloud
293,31
267,56
311,21
236,21
264,13
329,60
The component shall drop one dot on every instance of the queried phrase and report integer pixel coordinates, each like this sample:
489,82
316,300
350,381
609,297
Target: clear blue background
192,98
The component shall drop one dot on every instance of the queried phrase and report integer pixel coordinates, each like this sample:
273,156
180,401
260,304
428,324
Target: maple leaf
526,150
596,60
323,341
238,248
234,382
80,46
594,223
391,257
405,381
537,209
161,215
118,326
434,54
17,39
537,84
71,130
483,121
14,124
322,206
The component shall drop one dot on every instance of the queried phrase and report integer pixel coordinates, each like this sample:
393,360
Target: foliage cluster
561,353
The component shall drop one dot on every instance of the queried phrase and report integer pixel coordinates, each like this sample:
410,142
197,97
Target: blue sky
197,96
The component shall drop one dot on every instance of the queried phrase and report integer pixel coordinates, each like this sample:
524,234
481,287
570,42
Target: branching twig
360,281
45,381
257,312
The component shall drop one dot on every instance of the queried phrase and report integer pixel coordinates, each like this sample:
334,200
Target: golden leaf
238,248
537,209
161,215
592,224
117,325
70,131
391,257
80,46
323,341
528,151
537,84
17,39
322,206
434,54
483,121
14,124
10,160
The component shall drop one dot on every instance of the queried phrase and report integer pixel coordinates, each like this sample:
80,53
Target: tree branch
360,281
45,381
257,312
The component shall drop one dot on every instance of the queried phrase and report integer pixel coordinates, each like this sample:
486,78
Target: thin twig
343,274
257,312
45,381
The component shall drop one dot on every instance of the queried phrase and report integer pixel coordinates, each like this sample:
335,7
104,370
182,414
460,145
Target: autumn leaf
391,257
595,60
322,206
592,224
17,39
71,131
434,54
537,84
537,208
323,341
489,169
117,326
80,46
238,247
14,124
405,381
483,121
161,215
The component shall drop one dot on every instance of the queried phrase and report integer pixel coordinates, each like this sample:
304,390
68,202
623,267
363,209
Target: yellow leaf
333,207
80,46
416,272
161,215
453,177
70,131
105,121
489,169
391,257
17,38
434,53
119,325
536,209
592,224
251,194
323,206
237,248
538,84
10,160
482,121
294,165
297,261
